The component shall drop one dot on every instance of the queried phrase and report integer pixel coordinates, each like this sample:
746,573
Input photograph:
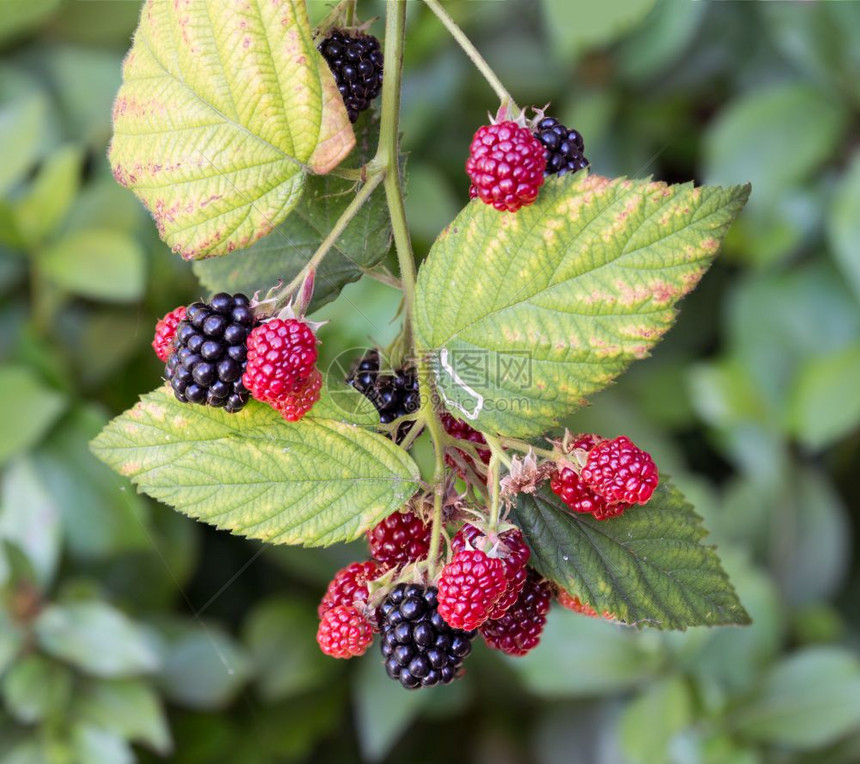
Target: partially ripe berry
506,166
281,358
511,550
165,331
620,472
349,586
400,538
572,602
457,428
297,404
344,633
469,586
519,630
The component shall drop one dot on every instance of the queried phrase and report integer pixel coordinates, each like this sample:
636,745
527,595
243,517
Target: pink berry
344,633
620,472
506,166
281,358
165,331
469,587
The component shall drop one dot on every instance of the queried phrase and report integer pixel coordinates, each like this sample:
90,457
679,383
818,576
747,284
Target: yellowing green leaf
313,482
223,111
646,568
526,314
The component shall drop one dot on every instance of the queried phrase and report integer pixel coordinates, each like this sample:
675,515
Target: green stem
521,445
387,155
472,52
333,235
493,484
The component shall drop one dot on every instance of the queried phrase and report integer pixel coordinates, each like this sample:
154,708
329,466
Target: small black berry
356,62
419,648
564,147
393,395
206,362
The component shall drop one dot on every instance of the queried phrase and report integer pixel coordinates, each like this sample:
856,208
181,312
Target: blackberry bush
526,304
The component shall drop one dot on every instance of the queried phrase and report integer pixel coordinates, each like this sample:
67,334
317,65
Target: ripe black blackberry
393,395
209,352
356,62
564,147
420,649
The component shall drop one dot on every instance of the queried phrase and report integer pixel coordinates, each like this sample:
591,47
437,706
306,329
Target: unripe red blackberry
165,331
506,166
457,428
566,484
281,358
400,538
419,648
349,586
209,353
356,61
620,472
469,586
297,404
344,633
564,147
519,630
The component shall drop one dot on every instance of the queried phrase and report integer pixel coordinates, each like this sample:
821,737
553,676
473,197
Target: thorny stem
387,156
472,52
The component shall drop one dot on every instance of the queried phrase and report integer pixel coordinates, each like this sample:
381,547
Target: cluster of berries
427,630
394,394
355,60
508,161
218,353
605,477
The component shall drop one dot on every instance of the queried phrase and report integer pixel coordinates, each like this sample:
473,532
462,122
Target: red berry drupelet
281,358
470,585
207,361
165,331
506,166
519,630
344,633
419,647
568,486
297,404
620,472
400,538
349,586
512,551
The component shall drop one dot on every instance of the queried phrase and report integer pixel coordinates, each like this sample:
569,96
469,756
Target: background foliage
129,632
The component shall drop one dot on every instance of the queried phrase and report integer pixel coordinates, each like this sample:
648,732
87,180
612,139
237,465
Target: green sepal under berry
314,482
648,567
525,315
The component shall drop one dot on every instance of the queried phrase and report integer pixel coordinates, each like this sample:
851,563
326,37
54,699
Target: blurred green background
129,633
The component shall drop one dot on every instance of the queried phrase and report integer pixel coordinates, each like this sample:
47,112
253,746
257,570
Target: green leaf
809,700
843,224
647,567
753,135
314,482
24,116
203,667
96,638
30,519
281,637
825,404
585,657
27,410
287,249
98,263
129,708
35,689
649,723
527,314
222,113
592,25
41,210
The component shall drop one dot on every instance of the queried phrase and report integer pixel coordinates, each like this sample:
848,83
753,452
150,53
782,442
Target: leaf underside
526,314
645,568
223,111
314,482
